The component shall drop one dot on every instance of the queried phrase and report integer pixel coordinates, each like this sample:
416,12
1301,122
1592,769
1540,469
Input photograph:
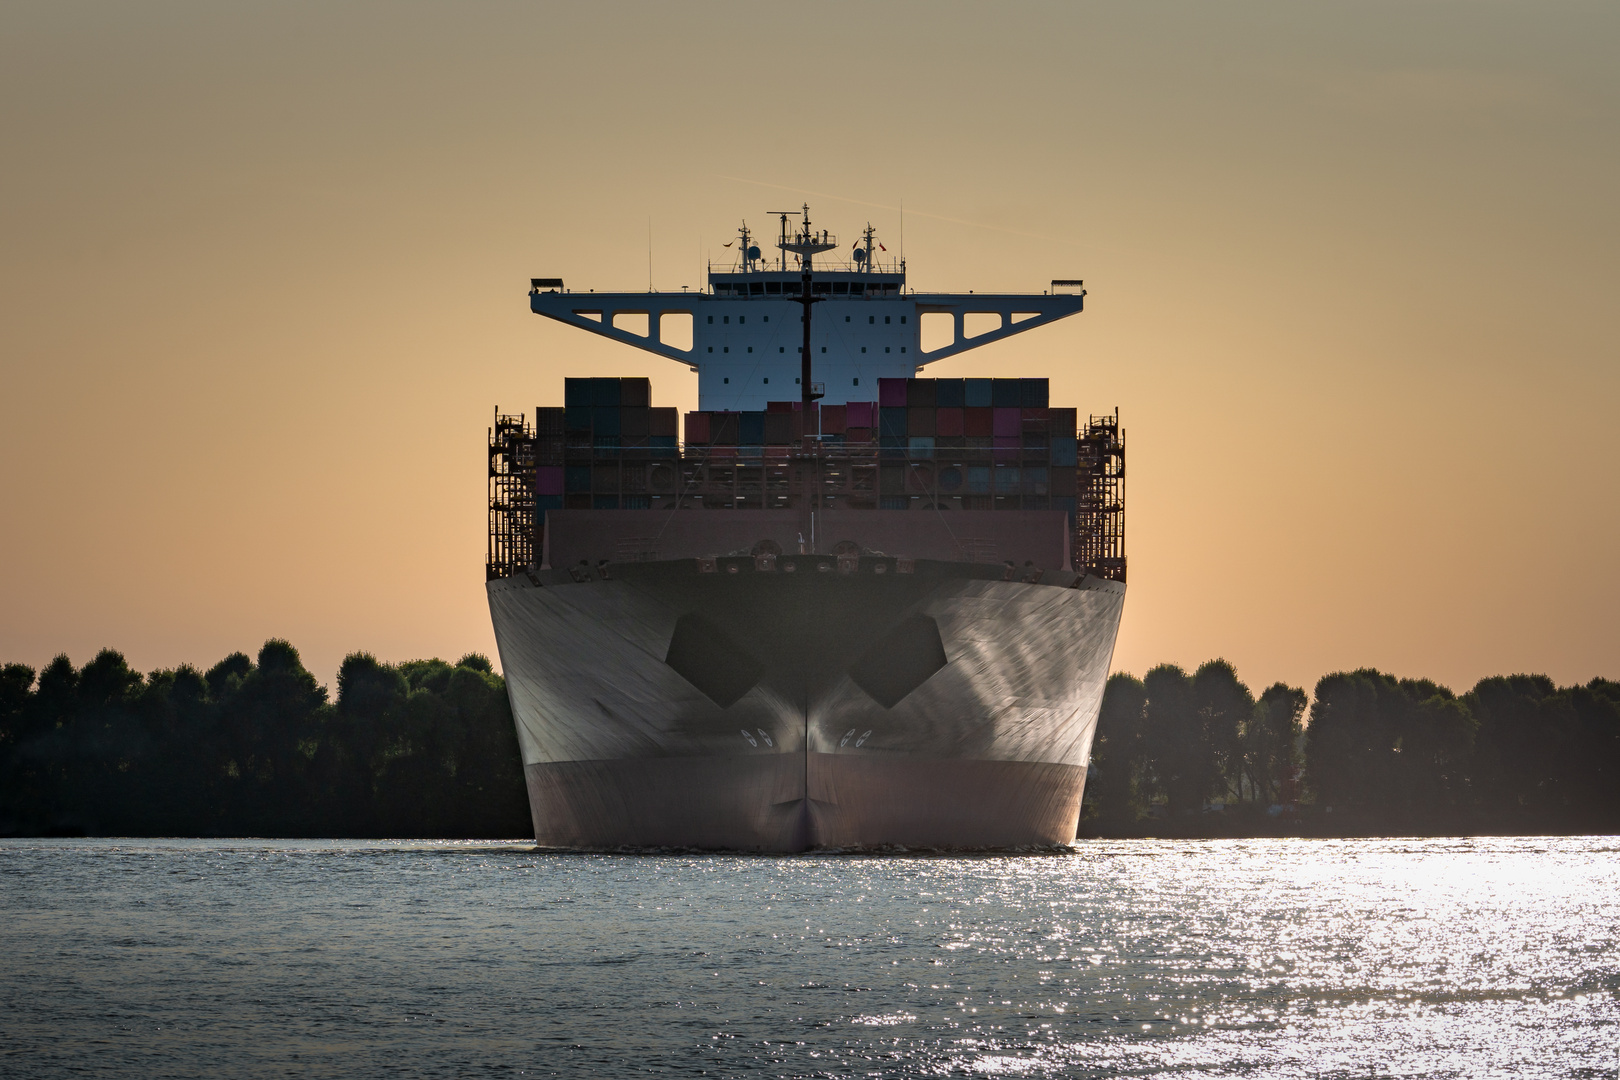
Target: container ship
841,606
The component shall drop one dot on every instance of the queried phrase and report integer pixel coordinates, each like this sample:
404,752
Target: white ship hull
839,705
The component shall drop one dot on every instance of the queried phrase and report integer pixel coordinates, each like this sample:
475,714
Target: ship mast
806,244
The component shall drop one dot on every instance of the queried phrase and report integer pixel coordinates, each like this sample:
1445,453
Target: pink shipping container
861,414
548,480
1008,424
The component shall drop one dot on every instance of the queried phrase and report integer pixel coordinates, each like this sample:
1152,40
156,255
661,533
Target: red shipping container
548,480
858,435
978,421
861,414
1007,423
892,393
948,422
663,422
781,406
833,420
697,428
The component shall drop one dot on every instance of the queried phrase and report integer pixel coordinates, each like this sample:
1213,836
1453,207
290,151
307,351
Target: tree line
1199,753
253,747
425,748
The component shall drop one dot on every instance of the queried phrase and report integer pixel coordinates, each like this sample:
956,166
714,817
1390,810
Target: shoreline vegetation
426,749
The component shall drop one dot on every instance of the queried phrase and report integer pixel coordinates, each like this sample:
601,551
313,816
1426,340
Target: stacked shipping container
602,450
925,444
977,444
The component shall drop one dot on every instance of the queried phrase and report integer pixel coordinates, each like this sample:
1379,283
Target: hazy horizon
1351,278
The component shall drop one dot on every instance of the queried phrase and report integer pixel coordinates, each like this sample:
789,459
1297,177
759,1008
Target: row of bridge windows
800,348
871,320
817,288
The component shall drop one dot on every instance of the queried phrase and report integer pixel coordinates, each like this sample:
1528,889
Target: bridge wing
1018,313
596,313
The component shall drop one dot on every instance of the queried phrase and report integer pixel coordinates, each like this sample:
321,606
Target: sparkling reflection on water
1435,958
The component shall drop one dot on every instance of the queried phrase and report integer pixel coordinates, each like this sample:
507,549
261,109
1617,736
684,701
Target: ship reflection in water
1293,958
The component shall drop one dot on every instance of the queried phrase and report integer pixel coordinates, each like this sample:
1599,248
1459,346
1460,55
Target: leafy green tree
1117,784
1392,753
1224,707
1271,741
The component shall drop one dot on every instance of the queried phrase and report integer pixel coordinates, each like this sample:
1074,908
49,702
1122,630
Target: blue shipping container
1065,452
892,422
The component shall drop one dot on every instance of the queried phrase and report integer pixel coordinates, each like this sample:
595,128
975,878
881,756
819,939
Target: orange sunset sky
1353,273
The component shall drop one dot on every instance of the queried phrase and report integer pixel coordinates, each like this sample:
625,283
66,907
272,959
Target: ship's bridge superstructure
747,330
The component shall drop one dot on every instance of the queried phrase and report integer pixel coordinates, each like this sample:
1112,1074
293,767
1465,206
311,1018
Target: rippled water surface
1453,958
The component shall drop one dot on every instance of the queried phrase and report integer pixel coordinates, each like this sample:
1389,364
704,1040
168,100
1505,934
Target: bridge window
767,318
781,348
841,288
863,348
725,348
902,320
727,318
711,323
885,348
711,348
873,319
846,318
725,380
767,382
741,319
774,288
750,348
757,288
855,382
886,320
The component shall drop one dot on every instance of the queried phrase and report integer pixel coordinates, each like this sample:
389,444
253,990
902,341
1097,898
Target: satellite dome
860,255
753,253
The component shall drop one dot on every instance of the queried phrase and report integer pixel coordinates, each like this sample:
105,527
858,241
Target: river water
1287,958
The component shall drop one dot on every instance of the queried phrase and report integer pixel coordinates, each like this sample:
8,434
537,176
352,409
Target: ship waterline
802,702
